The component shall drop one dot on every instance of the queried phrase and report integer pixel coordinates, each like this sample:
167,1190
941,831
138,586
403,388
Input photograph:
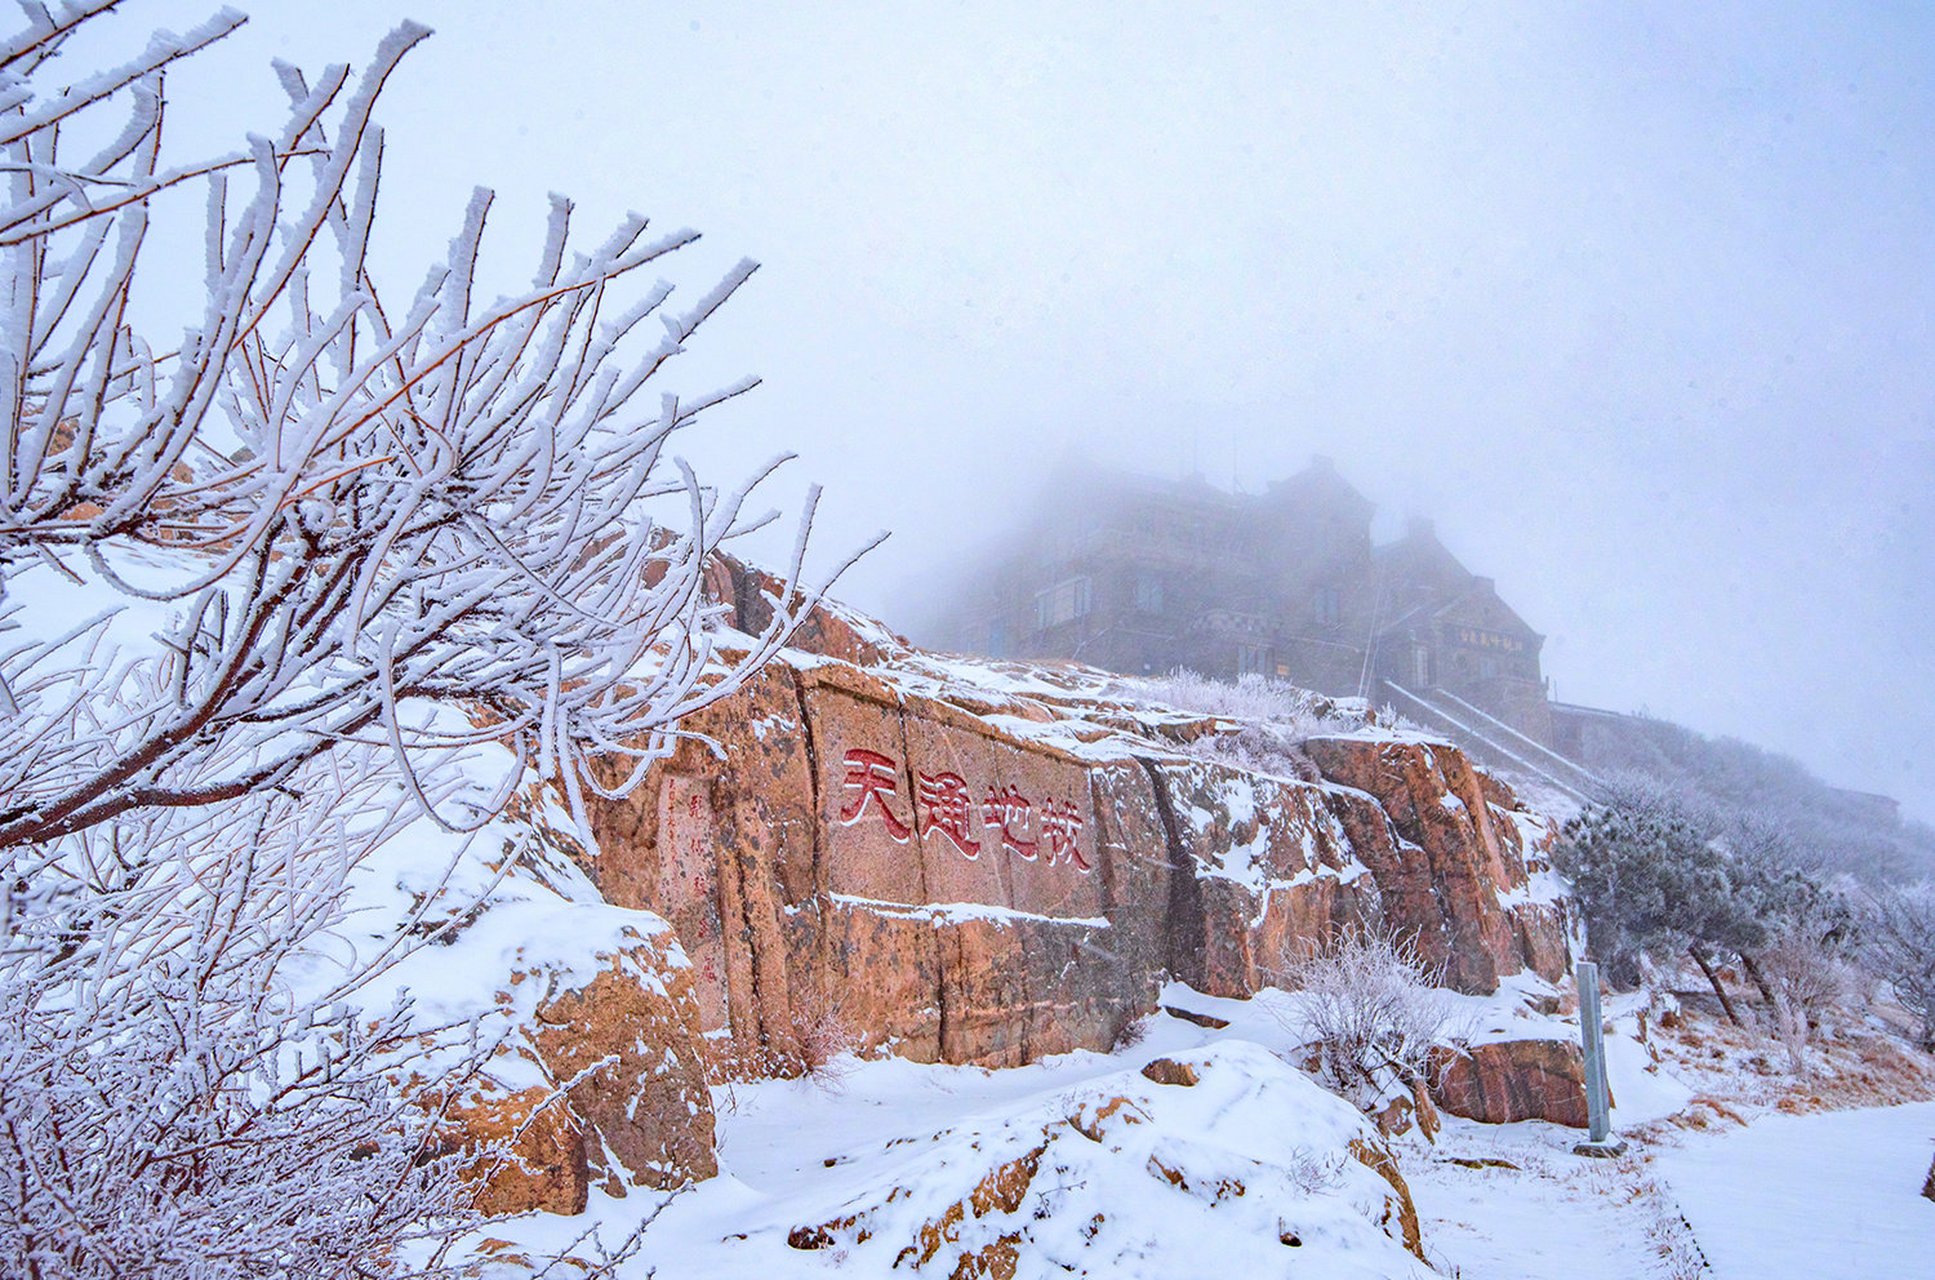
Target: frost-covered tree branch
348,505
262,584
1900,942
192,1087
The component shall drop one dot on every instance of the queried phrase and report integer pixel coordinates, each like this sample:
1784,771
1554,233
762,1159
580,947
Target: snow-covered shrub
1372,1011
1808,981
1270,720
1898,938
191,1089
1648,882
1823,829
826,1042
266,560
1658,877
1806,966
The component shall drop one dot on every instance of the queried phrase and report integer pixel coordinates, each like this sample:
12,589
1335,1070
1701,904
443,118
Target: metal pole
1592,1039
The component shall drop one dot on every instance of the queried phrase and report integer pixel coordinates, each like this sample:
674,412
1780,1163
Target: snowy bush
827,1043
1650,883
1660,876
1807,981
184,1094
1271,720
263,566
1372,1011
1899,946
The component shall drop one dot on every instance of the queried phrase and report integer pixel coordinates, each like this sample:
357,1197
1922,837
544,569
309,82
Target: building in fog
1141,575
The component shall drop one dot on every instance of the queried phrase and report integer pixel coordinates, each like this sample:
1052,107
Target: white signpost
1592,1039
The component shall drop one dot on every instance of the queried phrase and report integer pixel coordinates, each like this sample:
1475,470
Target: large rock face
891,857
959,862
1448,858
982,863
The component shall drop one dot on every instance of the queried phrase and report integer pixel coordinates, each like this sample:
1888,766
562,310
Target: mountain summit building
1140,575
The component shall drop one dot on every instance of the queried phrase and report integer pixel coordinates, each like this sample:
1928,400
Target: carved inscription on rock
688,876
923,811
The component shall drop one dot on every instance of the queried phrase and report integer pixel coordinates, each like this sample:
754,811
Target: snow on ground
1511,1202
1816,1196
1259,1155
1834,1194
1831,1196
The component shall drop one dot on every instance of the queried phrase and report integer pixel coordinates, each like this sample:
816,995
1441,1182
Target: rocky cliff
978,862
966,862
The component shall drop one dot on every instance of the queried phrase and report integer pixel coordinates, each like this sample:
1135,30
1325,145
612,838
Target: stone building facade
1140,575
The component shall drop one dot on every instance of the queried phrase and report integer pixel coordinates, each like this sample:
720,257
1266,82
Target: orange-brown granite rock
1434,842
544,1167
978,875
648,1107
1510,1080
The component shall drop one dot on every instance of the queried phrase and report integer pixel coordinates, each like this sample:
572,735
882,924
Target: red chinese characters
1061,827
947,810
872,779
1009,810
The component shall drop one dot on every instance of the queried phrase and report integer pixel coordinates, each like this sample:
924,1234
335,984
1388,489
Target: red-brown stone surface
1275,876
1511,1080
1436,846
621,1097
544,1167
880,850
649,1107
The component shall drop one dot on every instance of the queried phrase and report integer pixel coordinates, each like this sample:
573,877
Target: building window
1061,604
1487,666
1148,593
1330,606
1421,666
1254,660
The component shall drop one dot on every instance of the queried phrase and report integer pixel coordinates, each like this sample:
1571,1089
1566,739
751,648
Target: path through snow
1828,1196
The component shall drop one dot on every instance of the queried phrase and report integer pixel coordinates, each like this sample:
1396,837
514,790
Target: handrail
1529,741
1505,751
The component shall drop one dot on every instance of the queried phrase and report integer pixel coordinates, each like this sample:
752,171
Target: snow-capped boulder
1504,1081
559,1031
1240,1167
628,1043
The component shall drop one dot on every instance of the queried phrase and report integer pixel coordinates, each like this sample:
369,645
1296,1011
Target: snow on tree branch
350,504
268,593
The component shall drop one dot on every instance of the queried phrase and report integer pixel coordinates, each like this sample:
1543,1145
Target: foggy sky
1634,300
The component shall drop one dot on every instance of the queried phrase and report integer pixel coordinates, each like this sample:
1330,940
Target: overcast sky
1634,299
